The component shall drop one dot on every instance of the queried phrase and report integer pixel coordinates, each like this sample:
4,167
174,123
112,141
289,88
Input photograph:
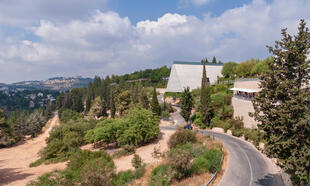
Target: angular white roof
189,74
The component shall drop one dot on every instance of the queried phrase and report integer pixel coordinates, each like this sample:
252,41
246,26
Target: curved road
246,167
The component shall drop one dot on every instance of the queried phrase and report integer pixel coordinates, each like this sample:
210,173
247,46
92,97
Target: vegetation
138,127
181,137
205,101
190,154
186,104
154,104
228,70
282,107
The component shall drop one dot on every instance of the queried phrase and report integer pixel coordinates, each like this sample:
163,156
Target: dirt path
145,152
14,161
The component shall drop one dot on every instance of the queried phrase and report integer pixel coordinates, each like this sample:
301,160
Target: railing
243,97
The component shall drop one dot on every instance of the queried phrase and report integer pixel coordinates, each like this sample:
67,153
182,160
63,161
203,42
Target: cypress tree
112,105
214,59
186,104
205,98
144,100
155,104
282,107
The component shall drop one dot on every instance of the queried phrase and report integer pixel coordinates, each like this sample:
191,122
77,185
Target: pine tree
155,104
112,105
205,98
144,100
186,104
98,108
282,107
214,59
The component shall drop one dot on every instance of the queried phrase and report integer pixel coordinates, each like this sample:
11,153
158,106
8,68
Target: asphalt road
246,167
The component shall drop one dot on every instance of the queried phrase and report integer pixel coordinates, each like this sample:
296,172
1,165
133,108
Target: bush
181,137
237,123
209,161
237,132
136,161
65,115
161,175
252,134
180,161
227,125
138,127
220,88
165,114
194,149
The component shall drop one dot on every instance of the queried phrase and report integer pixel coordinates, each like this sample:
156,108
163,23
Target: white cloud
105,43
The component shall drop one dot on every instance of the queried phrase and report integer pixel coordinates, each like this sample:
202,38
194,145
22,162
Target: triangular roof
189,74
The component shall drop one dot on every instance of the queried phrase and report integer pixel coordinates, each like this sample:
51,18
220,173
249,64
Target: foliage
181,137
282,107
136,161
98,108
209,161
186,104
180,161
123,101
65,115
228,69
112,105
161,175
244,69
154,104
84,168
65,140
138,127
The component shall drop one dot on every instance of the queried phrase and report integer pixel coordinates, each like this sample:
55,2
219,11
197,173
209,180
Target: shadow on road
9,175
270,180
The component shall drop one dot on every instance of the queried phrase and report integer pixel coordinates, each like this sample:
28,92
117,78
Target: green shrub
216,122
200,165
181,137
194,149
237,132
122,178
136,161
252,134
165,114
138,127
66,115
161,175
180,161
220,88
197,120
237,123
218,99
226,125
210,161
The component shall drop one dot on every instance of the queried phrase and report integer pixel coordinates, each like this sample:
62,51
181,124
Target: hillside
56,83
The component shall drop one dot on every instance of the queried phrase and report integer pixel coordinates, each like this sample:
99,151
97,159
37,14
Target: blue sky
42,39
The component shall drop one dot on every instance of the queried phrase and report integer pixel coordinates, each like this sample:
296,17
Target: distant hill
56,83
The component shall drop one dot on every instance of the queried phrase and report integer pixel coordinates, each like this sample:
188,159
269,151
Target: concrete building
189,74
244,91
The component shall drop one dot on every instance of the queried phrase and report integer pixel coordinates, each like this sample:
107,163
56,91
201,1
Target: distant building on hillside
189,74
244,91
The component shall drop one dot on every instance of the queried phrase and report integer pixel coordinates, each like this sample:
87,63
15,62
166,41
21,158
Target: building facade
189,74
243,92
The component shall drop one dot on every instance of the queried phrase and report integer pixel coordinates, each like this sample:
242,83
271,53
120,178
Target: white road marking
251,171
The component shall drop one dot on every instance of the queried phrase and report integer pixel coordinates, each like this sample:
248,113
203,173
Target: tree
205,98
283,106
244,69
98,108
155,104
228,69
186,104
123,101
112,105
214,59
144,100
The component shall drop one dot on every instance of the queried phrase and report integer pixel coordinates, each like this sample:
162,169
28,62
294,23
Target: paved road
247,166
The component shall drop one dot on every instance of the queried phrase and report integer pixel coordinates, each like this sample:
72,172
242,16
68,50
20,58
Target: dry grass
145,179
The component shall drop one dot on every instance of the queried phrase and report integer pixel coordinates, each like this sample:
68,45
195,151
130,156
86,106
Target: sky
40,39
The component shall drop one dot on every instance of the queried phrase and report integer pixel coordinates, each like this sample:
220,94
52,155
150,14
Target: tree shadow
9,175
270,180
